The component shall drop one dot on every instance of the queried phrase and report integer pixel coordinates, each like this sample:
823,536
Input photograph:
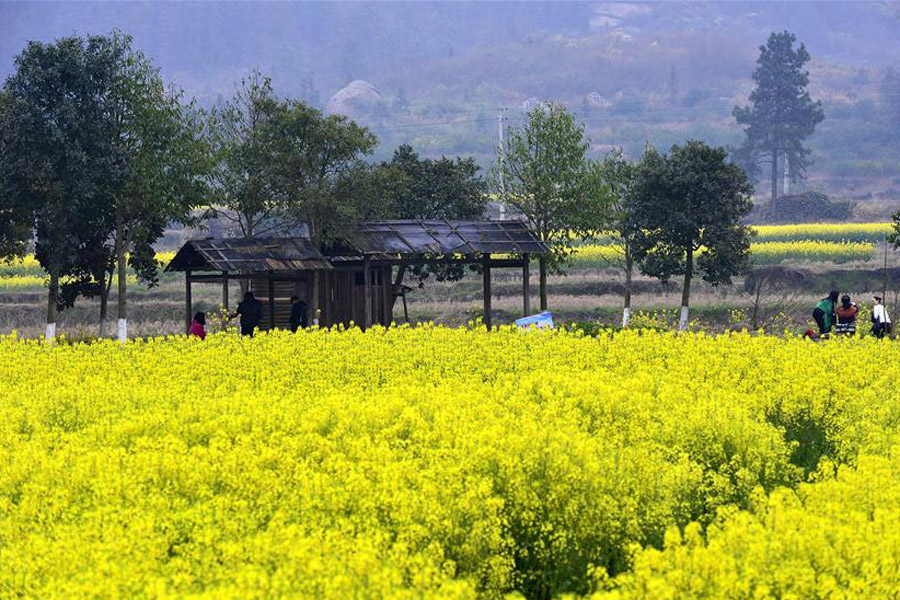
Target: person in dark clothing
824,312
250,311
298,313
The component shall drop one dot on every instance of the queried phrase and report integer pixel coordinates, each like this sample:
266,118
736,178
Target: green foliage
60,154
15,230
242,154
688,202
548,178
781,114
894,237
808,207
310,154
544,173
445,188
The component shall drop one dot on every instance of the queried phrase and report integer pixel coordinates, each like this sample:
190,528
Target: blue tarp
542,320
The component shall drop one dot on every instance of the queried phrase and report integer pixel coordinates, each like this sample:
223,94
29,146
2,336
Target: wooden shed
353,282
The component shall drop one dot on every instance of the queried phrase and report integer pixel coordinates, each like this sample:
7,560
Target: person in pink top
198,326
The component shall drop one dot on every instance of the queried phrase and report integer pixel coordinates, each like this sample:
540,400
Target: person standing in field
198,326
823,314
846,317
298,314
881,321
250,311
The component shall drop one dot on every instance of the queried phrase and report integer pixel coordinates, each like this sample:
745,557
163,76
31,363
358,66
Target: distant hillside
441,71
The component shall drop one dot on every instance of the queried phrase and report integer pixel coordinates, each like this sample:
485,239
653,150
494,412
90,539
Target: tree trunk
104,302
52,305
542,263
121,268
774,174
244,284
686,290
756,304
398,281
104,312
629,267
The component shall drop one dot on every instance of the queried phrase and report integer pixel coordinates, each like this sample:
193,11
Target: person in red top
198,326
846,317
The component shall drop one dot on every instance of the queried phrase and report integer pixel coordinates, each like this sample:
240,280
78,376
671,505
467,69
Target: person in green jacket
824,312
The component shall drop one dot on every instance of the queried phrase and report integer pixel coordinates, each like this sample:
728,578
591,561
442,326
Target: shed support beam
271,302
367,283
187,302
225,289
526,285
486,269
387,276
327,308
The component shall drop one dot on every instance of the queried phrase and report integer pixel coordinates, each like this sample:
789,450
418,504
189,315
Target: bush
808,207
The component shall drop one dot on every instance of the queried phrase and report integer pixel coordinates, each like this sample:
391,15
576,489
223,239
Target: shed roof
248,255
405,238
381,240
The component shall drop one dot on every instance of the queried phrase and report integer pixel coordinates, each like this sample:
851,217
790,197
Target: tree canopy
618,173
59,156
781,114
687,208
543,172
101,157
242,154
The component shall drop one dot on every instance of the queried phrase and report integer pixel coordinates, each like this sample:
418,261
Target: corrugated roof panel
445,237
243,255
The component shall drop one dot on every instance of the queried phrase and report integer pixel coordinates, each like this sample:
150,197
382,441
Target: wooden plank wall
341,296
283,292
349,299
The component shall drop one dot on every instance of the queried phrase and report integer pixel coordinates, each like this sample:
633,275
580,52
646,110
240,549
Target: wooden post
187,302
388,306
271,302
367,283
526,285
487,290
326,308
225,289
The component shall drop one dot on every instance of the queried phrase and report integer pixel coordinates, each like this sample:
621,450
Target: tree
164,167
781,114
686,203
15,230
311,154
771,291
619,173
428,189
57,150
242,155
547,177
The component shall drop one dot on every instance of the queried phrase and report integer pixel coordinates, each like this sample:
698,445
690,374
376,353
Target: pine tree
781,114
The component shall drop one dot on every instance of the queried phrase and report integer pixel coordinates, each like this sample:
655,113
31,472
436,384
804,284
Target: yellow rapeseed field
823,232
450,463
763,253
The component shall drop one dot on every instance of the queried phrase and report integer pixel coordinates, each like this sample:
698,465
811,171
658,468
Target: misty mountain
436,74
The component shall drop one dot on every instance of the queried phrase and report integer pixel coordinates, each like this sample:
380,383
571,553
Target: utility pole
500,150
885,281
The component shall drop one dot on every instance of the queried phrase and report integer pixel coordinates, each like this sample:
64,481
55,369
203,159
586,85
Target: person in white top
881,321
